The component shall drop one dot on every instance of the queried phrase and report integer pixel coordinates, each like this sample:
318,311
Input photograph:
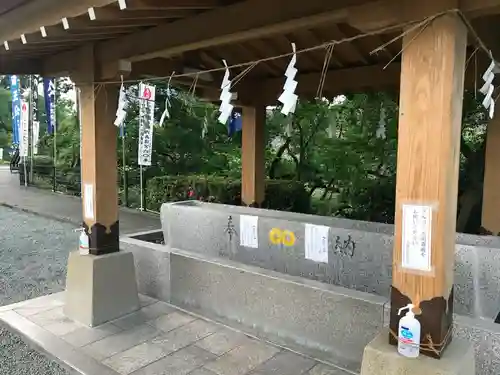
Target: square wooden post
431,96
253,155
99,161
491,186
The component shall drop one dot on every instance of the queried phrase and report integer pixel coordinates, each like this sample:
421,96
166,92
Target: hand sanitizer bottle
83,243
409,334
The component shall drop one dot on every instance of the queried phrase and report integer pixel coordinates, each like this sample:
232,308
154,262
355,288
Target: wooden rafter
235,23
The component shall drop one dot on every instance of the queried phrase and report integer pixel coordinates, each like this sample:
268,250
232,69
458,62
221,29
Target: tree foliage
330,146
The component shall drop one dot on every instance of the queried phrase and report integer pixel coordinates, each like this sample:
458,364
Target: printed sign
146,120
416,237
316,237
23,147
88,196
282,237
249,236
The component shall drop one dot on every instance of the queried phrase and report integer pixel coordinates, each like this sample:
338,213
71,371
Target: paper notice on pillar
316,239
146,120
416,237
249,236
88,199
23,147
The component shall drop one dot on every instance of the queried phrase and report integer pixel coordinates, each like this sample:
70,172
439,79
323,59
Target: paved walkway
156,340
62,207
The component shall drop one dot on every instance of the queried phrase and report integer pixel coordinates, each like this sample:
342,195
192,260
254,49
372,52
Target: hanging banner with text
34,104
24,144
146,119
49,91
35,130
16,109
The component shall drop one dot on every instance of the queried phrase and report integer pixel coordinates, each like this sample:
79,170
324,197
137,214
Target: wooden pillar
490,219
431,95
99,160
253,155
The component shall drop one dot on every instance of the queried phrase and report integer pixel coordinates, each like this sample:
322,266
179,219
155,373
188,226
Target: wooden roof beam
254,19
337,82
31,16
245,20
20,66
115,14
173,4
385,13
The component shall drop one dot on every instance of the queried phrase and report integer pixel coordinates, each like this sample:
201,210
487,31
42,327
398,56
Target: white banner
35,136
24,144
147,95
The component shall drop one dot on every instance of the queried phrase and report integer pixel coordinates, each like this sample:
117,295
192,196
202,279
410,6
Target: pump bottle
83,243
409,333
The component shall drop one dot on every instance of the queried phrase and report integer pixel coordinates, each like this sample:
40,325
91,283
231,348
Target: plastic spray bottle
409,333
83,246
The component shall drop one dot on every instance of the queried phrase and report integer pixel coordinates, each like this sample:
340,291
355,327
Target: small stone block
381,358
100,288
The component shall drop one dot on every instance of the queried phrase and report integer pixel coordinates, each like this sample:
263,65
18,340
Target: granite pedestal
100,288
380,358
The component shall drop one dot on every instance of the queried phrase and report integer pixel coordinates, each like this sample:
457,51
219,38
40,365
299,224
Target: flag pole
124,165
24,145
54,125
30,125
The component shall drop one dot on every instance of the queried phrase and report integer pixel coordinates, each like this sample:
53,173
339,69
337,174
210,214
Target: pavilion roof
160,36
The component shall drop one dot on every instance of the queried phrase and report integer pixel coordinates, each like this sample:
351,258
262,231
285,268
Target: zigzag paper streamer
488,88
226,108
166,112
288,98
380,133
121,112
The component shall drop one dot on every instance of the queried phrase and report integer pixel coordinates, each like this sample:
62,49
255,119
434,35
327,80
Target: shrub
279,194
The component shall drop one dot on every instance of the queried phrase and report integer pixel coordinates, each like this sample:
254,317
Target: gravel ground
33,255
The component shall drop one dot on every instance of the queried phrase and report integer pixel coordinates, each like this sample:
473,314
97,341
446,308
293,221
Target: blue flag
235,123
122,130
16,109
49,91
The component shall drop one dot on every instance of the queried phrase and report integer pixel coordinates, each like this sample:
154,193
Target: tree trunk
467,202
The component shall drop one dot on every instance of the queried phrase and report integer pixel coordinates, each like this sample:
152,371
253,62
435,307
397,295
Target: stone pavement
62,207
157,340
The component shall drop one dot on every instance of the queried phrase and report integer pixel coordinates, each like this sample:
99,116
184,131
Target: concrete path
62,207
156,340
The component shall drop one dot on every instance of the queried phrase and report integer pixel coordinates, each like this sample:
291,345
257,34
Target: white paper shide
316,238
147,95
249,236
416,237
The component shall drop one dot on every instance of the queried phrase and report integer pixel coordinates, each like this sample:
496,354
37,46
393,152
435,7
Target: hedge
279,194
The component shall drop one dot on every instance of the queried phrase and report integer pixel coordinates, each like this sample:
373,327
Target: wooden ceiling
8,5
160,36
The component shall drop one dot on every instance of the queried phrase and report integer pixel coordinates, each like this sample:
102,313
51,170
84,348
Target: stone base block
380,358
100,288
